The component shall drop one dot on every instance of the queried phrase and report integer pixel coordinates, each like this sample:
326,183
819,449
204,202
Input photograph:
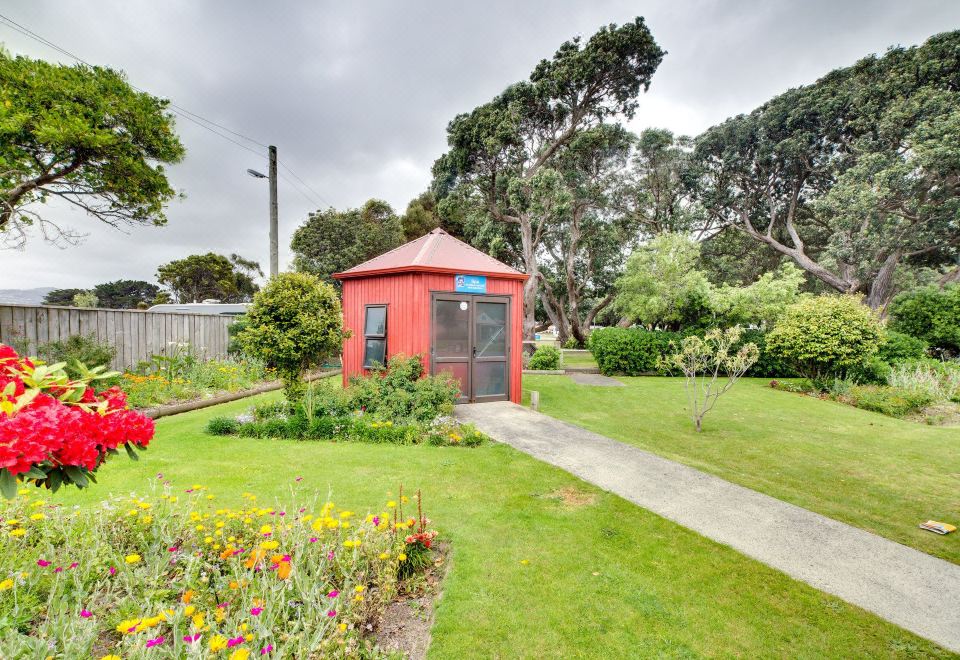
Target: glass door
490,348
470,340
451,345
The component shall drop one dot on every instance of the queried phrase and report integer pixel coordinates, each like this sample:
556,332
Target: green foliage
937,379
62,297
234,329
573,343
853,177
545,358
331,241
661,286
630,351
295,323
760,303
77,350
181,376
931,314
898,347
892,401
210,276
423,216
81,134
827,336
767,365
86,299
222,426
399,392
125,294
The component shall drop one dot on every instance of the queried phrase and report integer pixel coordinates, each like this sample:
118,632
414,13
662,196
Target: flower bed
197,379
397,404
176,574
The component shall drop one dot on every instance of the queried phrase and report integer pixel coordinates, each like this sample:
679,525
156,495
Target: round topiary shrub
826,337
295,323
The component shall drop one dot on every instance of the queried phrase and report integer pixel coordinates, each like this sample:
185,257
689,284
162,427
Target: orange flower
283,571
187,596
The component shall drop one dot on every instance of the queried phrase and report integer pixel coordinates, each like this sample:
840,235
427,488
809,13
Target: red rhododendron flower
47,430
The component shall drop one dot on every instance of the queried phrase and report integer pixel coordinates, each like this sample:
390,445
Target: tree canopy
331,241
82,135
495,172
62,297
125,294
210,276
851,177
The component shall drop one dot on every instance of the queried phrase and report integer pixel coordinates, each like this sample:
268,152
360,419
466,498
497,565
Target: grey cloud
357,95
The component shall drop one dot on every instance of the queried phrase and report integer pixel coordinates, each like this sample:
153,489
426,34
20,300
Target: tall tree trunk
881,288
950,277
532,284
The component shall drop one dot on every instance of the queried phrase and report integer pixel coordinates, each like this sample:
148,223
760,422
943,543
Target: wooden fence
136,335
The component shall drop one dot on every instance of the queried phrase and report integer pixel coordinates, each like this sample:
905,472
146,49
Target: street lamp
274,256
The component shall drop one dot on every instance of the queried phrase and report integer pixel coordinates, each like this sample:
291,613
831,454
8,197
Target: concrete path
907,587
594,379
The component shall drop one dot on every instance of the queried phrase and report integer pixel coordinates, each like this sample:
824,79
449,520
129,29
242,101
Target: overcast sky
357,95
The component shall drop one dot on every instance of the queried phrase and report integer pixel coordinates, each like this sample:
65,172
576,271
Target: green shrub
295,323
897,347
234,329
826,337
931,314
629,351
892,401
938,379
572,344
545,358
874,371
399,392
768,365
222,426
84,349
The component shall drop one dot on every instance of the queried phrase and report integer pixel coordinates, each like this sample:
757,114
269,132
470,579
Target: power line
180,111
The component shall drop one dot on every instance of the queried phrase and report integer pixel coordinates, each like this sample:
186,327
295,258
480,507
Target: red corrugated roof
437,252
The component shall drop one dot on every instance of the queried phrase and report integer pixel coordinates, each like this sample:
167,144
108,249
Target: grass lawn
603,577
879,473
578,359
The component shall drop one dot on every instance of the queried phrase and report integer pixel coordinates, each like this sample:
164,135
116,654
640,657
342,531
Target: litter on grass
938,527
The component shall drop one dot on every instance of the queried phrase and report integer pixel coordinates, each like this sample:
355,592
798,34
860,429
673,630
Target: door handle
474,351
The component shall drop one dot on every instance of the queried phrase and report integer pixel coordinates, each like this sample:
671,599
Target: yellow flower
240,654
190,609
110,657
270,545
198,620
218,643
6,584
384,555
132,559
187,596
342,627
13,522
402,556
391,504
219,615
359,588
18,532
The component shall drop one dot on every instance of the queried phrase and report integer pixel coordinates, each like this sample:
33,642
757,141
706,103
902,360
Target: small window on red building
375,336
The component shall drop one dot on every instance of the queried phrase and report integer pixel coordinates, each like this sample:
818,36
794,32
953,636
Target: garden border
188,406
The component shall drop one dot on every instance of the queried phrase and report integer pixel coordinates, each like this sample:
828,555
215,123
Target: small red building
436,296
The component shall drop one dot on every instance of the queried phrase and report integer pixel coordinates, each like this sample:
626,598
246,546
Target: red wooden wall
407,296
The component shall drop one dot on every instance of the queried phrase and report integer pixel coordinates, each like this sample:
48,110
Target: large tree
499,151
63,297
82,135
588,239
853,177
331,241
125,294
210,276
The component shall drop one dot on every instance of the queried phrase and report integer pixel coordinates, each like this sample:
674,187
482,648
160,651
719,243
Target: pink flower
313,539
58,569
190,639
173,548
330,555
73,565
333,594
156,641
86,614
43,563
222,606
235,641
266,649
299,479
255,611
113,571
331,613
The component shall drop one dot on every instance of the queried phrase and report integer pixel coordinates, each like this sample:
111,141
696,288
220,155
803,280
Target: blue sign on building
470,283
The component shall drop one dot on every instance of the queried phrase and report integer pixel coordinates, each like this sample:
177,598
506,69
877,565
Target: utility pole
274,221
